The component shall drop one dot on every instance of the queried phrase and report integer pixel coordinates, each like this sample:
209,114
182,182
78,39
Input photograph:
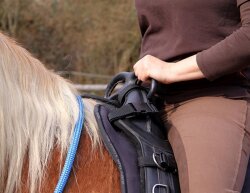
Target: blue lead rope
72,149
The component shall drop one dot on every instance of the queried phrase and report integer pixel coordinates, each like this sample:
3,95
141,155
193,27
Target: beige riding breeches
210,137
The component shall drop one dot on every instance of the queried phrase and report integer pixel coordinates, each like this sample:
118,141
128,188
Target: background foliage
91,36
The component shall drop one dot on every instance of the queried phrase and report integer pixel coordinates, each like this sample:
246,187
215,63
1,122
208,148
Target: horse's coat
93,172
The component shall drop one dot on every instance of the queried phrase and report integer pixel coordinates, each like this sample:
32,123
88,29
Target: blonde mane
38,111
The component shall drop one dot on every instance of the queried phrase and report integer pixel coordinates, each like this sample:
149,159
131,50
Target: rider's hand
151,67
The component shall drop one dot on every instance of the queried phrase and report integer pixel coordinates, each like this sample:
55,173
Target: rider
200,50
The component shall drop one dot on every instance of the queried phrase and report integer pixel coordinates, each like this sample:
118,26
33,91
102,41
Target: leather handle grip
128,78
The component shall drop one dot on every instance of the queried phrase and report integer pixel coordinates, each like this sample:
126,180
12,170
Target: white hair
38,111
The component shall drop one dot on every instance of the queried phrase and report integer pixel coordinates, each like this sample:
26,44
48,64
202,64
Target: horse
38,111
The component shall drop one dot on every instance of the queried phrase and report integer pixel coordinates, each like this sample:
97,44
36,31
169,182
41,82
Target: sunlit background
87,41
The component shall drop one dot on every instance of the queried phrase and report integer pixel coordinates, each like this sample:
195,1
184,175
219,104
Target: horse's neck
93,172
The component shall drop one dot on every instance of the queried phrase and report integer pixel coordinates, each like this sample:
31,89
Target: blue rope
72,149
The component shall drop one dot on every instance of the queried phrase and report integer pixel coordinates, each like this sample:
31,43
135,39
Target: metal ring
160,185
154,158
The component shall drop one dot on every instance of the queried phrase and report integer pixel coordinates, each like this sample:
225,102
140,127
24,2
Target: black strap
160,160
101,99
131,110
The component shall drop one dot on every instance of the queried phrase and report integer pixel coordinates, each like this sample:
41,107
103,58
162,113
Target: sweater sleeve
231,54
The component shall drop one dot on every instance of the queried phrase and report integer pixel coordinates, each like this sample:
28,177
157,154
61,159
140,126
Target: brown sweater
218,31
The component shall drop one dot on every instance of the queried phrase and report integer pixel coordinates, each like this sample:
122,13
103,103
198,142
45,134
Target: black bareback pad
246,187
121,150
132,148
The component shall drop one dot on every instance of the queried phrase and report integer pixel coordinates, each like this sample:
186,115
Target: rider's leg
210,137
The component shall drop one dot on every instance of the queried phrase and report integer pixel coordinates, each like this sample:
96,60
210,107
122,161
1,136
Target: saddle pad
246,187
129,171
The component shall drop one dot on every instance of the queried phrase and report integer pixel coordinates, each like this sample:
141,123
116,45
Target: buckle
160,186
160,160
165,162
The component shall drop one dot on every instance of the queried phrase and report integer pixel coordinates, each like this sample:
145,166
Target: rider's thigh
210,137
